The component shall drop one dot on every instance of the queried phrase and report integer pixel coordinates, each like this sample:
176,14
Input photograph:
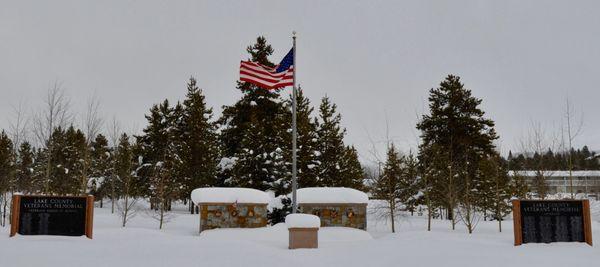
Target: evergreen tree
307,141
126,179
177,150
277,215
432,168
100,168
540,185
583,159
338,164
156,137
61,180
39,182
163,188
74,153
351,171
155,144
390,186
457,125
24,175
199,142
494,188
413,194
253,134
7,172
162,164
519,186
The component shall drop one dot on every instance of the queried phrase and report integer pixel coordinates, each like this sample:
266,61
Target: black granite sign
552,221
46,215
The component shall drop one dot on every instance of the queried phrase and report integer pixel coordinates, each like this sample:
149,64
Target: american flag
265,77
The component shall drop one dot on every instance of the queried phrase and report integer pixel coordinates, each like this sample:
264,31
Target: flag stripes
264,76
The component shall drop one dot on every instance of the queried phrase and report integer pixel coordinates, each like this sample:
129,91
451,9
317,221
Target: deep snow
179,244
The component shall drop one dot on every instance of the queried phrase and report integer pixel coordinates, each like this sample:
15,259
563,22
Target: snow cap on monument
229,195
299,220
326,195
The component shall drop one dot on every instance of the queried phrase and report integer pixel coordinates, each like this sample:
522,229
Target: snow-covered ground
179,244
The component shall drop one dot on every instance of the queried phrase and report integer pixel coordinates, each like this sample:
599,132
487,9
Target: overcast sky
375,59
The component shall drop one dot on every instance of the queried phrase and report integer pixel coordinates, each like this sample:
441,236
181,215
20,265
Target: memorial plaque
547,221
52,215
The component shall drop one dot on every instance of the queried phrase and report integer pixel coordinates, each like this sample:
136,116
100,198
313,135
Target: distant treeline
583,159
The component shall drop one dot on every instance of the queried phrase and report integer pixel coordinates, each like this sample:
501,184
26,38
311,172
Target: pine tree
351,171
24,175
67,169
60,181
177,149
162,164
307,141
39,182
390,187
413,194
75,153
253,134
199,142
432,169
457,125
126,180
100,168
155,144
277,215
519,186
7,172
163,187
540,185
332,153
494,189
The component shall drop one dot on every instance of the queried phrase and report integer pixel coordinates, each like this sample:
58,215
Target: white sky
371,57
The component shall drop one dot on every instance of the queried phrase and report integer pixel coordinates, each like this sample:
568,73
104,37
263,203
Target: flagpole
294,133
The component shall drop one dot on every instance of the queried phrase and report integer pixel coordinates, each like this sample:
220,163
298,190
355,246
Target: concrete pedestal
303,238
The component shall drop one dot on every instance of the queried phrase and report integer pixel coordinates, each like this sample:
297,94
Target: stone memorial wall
232,215
332,214
547,221
52,215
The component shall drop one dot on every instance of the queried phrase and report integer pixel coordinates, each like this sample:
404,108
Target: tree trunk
469,223
500,225
125,209
5,199
6,208
428,216
451,217
162,213
392,215
112,195
48,165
